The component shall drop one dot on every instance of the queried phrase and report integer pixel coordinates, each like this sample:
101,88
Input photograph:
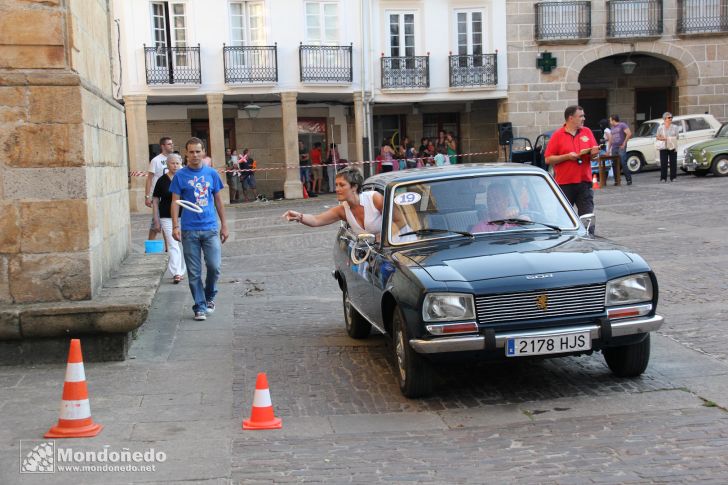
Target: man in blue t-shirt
199,185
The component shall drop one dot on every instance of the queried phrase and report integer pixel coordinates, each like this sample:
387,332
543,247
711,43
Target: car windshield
647,129
723,132
476,205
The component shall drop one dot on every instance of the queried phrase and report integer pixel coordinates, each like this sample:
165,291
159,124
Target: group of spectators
240,175
312,164
432,152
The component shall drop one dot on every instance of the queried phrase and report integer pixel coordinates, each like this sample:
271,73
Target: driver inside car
500,207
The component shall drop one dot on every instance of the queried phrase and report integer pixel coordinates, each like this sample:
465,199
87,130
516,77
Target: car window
647,129
723,132
697,124
469,204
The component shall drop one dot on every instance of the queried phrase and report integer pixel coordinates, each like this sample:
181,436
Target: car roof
680,117
435,173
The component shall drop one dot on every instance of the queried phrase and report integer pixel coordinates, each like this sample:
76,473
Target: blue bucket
153,246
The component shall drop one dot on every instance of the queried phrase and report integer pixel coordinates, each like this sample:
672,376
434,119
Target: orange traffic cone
262,417
305,192
595,183
75,417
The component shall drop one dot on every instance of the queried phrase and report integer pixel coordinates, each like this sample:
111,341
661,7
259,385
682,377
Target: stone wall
63,190
536,100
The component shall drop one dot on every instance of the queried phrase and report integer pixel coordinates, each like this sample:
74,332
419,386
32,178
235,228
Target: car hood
640,141
714,143
494,256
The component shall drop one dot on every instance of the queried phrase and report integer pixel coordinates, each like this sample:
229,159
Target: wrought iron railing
634,18
250,63
474,70
173,65
702,16
325,63
563,21
406,72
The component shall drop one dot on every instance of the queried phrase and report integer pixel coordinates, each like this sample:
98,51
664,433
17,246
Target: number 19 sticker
408,198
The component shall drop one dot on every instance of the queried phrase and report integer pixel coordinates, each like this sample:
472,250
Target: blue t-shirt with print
198,186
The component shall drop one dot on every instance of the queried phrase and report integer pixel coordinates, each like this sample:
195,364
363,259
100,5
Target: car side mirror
587,219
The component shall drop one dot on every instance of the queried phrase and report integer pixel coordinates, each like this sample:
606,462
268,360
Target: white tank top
372,216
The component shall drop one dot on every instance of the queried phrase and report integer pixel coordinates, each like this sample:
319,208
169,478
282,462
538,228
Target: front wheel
720,166
414,373
356,326
635,163
628,360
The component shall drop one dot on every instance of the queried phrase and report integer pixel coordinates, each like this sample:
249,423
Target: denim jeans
208,243
622,152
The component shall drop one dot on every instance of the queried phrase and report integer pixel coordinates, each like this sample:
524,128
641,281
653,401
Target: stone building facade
63,177
680,48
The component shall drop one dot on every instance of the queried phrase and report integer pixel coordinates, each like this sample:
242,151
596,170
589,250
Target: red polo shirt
563,142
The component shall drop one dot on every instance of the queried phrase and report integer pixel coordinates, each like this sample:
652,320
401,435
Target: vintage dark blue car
491,261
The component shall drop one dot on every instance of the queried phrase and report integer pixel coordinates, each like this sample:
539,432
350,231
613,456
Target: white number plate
554,344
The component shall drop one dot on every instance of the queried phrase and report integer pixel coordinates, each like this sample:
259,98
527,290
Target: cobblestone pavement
189,384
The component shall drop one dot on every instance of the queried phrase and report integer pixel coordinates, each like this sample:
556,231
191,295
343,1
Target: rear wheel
628,360
720,166
356,326
414,373
635,162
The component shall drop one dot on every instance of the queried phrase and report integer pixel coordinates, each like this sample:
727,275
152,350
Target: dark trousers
668,156
582,196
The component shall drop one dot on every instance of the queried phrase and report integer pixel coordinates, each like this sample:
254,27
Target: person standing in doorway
157,168
570,151
304,162
452,148
667,145
619,137
199,232
332,162
317,168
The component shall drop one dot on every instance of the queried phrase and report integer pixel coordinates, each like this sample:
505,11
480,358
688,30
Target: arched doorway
644,94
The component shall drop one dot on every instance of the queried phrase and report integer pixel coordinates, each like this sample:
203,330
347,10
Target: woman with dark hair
361,210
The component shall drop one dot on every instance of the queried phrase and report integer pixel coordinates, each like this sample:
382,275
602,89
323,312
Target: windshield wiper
523,222
434,230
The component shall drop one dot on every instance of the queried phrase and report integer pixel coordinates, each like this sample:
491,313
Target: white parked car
641,151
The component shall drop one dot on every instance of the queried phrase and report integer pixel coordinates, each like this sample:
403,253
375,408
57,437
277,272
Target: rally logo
37,456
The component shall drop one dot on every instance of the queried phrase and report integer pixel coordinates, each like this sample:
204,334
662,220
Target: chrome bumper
620,328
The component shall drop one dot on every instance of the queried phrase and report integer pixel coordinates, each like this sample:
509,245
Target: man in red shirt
570,150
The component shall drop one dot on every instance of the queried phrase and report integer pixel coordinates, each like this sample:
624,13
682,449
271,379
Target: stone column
216,150
138,148
292,188
359,132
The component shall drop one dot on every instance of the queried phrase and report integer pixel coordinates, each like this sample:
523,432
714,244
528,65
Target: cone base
81,432
275,423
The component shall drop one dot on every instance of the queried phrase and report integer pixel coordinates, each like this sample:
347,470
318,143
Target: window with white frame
247,23
322,22
469,32
401,38
169,29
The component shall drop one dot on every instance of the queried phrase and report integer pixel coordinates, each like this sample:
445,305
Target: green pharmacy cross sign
546,62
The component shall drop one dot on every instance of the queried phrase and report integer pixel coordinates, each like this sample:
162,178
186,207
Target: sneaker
629,182
210,306
200,316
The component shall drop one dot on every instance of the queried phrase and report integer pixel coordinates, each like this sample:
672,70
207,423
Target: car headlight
703,152
630,289
441,307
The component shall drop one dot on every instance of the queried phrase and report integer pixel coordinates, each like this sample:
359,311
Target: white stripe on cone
75,373
261,398
75,409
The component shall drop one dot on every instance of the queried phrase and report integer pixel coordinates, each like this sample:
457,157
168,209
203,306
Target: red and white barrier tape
137,173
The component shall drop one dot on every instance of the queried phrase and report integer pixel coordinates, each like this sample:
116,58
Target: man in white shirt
157,168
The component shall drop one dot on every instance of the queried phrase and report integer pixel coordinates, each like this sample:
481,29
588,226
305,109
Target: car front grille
533,305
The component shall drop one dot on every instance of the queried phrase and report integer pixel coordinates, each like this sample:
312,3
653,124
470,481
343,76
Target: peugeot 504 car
491,262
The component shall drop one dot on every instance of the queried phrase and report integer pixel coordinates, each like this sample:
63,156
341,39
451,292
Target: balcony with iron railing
325,63
702,17
172,65
563,21
475,70
630,19
406,72
250,64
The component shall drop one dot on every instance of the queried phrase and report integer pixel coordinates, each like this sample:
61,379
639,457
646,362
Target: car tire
628,360
356,326
635,162
720,166
414,373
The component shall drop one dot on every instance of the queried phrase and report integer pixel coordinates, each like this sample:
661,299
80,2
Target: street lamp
252,110
628,66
